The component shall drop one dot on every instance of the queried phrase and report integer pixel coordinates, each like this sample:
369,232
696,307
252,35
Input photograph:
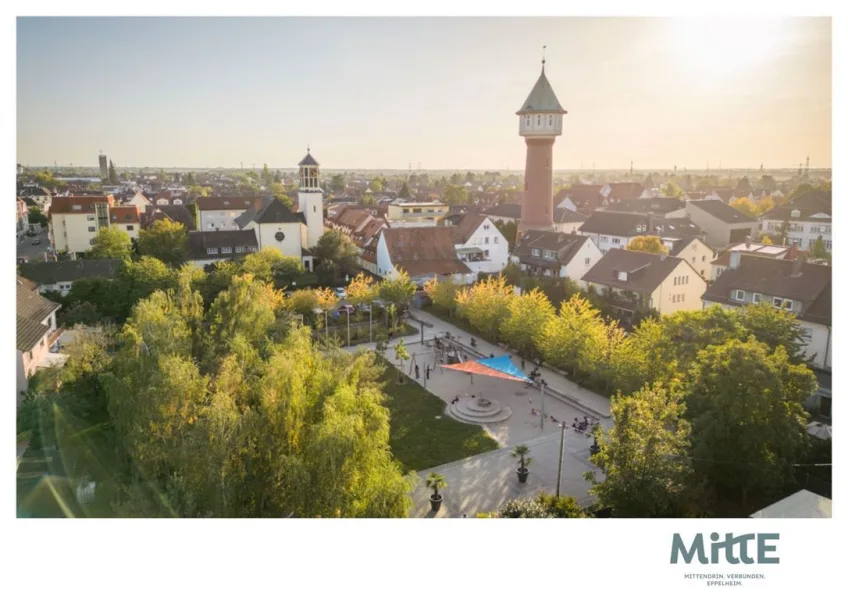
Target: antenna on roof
543,58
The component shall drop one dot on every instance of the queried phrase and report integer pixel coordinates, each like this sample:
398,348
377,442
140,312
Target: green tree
561,507
774,327
35,216
271,265
398,290
509,231
303,302
337,183
199,191
111,242
455,194
113,174
643,457
404,191
744,205
748,422
527,318
575,339
335,254
361,289
266,175
190,179
376,185
820,250
165,240
367,200
442,292
401,355
672,190
647,243
485,305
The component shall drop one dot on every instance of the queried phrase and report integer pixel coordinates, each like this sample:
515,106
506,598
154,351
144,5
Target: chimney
735,259
796,266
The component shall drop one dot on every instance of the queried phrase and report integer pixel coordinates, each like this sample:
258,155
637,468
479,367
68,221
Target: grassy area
418,439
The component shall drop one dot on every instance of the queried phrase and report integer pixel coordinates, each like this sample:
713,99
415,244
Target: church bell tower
310,199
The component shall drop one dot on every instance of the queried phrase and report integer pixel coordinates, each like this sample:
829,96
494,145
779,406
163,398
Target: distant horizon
378,91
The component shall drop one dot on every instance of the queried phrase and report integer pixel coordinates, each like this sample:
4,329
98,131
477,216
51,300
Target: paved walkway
484,482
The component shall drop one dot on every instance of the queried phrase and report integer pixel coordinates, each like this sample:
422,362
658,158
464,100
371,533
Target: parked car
348,308
340,292
364,308
36,242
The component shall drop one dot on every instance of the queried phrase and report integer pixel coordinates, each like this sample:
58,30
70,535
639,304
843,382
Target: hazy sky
380,93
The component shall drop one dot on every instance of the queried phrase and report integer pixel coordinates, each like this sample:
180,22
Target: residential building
722,259
363,229
36,332
668,207
21,219
208,247
423,252
219,213
565,220
723,224
612,229
59,276
410,213
803,504
178,214
41,196
555,254
127,219
138,199
479,244
696,252
75,221
639,281
794,285
801,221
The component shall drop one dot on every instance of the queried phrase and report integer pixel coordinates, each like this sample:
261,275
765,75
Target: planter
522,474
435,502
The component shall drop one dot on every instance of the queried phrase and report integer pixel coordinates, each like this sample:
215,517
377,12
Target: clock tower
540,122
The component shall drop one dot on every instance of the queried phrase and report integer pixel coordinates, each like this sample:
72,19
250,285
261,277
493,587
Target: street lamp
561,446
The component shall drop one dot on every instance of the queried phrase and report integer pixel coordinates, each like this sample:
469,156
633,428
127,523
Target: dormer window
622,275
535,252
740,295
76,207
550,120
226,250
795,213
211,251
527,121
538,120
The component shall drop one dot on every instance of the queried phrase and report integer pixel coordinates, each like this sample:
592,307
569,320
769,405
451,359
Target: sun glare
715,48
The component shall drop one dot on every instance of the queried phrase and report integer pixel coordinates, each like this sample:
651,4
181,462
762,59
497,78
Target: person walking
427,372
522,363
417,372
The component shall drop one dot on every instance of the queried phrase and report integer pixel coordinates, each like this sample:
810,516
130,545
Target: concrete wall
73,232
131,229
488,237
718,232
222,220
295,234
699,256
586,258
805,233
311,204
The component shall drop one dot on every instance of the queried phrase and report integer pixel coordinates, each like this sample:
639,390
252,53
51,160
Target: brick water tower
540,123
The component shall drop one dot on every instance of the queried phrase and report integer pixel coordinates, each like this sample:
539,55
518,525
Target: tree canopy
111,242
647,243
166,240
335,254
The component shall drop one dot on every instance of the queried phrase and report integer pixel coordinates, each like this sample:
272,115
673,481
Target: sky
381,93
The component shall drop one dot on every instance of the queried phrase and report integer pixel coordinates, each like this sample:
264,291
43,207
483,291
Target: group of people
581,425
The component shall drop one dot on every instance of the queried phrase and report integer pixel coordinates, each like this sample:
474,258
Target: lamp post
561,446
542,418
347,310
370,314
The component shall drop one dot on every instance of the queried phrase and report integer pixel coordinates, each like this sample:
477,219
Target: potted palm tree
521,452
436,482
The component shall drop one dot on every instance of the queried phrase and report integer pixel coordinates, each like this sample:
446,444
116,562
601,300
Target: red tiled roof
226,202
65,204
423,250
124,214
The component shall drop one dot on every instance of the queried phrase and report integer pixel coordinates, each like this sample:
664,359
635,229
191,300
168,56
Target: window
239,249
827,244
486,253
703,258
130,227
495,241
781,303
616,240
486,227
91,228
683,297
622,276
91,241
314,208
757,298
487,239
78,207
535,252
41,343
89,217
603,238
226,250
550,120
740,295
527,121
795,213
538,120
550,255
211,251
588,261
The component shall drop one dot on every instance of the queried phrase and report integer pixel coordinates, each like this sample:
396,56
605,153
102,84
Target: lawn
418,439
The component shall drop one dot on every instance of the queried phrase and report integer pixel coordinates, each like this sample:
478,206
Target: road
30,252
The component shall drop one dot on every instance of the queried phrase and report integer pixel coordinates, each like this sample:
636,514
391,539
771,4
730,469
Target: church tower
540,122
310,199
